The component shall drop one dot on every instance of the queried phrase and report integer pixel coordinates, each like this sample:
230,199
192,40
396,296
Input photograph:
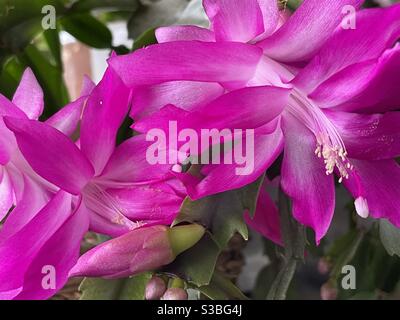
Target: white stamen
177,168
362,209
330,145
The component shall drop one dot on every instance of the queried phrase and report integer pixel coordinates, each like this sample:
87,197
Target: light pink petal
306,30
66,120
18,251
105,111
351,46
379,183
184,33
222,177
51,154
103,225
34,198
87,87
183,94
59,254
6,193
188,60
271,17
364,87
234,20
304,179
266,220
29,95
128,164
369,137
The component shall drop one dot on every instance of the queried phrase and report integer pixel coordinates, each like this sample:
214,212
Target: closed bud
175,294
328,292
155,288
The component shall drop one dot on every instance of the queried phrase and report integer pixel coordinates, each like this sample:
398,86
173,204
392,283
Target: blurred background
63,40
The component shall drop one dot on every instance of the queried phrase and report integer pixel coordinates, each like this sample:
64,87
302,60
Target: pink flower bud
328,292
324,267
155,288
175,294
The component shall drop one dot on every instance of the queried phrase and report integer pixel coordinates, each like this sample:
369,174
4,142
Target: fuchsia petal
51,154
87,87
105,111
246,108
34,198
59,254
266,220
188,60
379,183
129,165
349,46
103,225
223,177
148,203
184,33
18,251
183,94
234,20
6,193
270,13
364,87
306,30
369,137
66,120
29,95
304,179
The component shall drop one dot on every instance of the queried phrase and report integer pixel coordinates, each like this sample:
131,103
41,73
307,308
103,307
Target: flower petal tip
362,208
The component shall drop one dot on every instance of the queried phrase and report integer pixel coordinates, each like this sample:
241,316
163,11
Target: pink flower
334,116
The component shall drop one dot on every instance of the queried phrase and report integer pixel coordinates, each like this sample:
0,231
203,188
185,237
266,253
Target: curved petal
271,17
365,87
29,95
222,177
188,60
183,94
304,179
66,120
104,113
369,137
234,20
379,183
184,33
129,164
6,194
34,198
306,30
59,254
350,46
246,108
18,251
266,220
51,154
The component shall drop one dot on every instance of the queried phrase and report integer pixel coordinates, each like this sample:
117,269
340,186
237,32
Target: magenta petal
183,94
60,253
369,137
304,179
18,251
306,30
271,16
129,164
105,111
350,46
379,183
234,20
66,120
51,154
6,193
184,33
34,198
188,60
29,95
266,220
222,177
366,87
